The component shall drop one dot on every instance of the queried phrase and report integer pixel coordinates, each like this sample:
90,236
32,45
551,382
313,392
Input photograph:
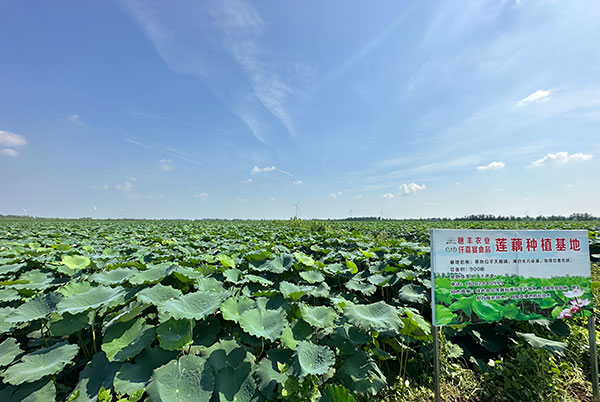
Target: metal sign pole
436,363
593,357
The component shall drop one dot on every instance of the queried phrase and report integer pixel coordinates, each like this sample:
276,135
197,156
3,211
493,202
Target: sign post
490,275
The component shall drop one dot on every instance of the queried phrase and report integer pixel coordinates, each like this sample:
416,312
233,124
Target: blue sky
194,109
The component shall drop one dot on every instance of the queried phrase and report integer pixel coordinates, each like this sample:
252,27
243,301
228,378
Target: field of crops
255,311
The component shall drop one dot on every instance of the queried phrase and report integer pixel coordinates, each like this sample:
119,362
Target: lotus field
260,311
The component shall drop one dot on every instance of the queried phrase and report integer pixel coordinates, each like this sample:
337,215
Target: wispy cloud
335,195
9,152
165,151
256,170
76,120
492,166
100,186
11,140
297,182
560,158
199,38
411,188
247,181
388,196
538,96
203,196
166,164
126,186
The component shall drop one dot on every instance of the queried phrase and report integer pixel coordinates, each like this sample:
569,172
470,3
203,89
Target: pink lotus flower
575,309
566,313
579,302
576,292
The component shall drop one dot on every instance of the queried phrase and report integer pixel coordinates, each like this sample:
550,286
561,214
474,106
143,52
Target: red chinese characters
501,245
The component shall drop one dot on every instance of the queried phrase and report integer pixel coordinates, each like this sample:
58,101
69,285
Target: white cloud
126,186
411,188
9,152
569,186
256,169
357,197
560,158
492,166
538,96
297,182
247,181
100,187
335,195
76,119
202,196
388,195
9,139
166,164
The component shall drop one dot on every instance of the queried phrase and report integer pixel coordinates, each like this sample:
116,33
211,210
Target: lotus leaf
233,308
158,294
175,334
311,358
124,340
188,379
336,393
378,316
9,349
37,308
360,374
96,297
320,317
196,306
40,363
263,323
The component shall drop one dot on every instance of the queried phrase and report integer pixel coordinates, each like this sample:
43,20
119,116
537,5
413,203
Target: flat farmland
128,310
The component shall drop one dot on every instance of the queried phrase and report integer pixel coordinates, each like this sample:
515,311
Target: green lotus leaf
294,334
206,284
304,259
188,379
40,363
278,265
73,288
543,343
380,279
226,353
7,295
96,297
158,294
378,316
98,373
39,307
38,391
416,327
226,261
35,280
413,294
127,312
487,311
11,268
323,290
112,277
196,306
75,262
293,291
124,340
336,393
153,274
175,334
9,349
133,377
272,371
237,384
249,278
320,317
443,315
263,322
336,268
360,374
312,276
365,288
5,326
67,324
233,308
311,358
232,275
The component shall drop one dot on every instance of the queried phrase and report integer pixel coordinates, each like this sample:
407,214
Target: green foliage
252,311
